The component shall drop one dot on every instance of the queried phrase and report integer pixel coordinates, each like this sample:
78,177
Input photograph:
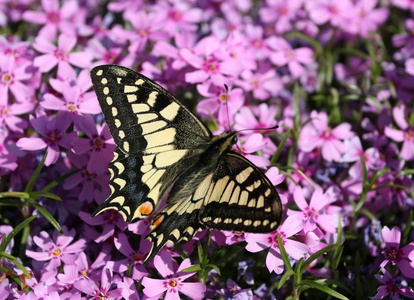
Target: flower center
6,78
56,252
54,17
175,15
173,283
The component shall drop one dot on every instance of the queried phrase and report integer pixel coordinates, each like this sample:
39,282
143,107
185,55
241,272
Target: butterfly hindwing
157,138
241,198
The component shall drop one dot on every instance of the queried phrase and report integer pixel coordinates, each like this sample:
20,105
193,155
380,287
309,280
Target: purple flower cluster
336,76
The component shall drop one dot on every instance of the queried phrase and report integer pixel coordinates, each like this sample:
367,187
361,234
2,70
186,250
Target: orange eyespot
145,208
157,221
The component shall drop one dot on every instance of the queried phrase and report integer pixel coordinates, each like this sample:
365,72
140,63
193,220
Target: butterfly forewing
156,136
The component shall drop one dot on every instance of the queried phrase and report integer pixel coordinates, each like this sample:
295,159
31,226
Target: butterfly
161,145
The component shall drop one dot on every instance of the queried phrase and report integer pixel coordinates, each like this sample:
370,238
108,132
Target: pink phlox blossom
277,178
15,50
291,226
60,56
258,43
402,257
260,120
252,144
405,39
173,281
233,21
233,237
5,288
181,40
317,134
63,250
104,290
146,27
91,183
104,55
14,78
295,59
179,16
125,5
405,134
109,220
403,4
100,144
233,291
53,132
366,18
128,289
75,96
314,213
134,258
219,103
281,12
9,113
337,13
391,288
307,166
263,83
208,66
54,18
372,157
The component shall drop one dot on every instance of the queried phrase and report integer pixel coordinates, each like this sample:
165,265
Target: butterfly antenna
227,105
264,128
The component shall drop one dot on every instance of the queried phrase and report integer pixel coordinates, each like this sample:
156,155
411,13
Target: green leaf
6,240
283,253
338,251
358,286
58,181
15,195
13,260
285,277
280,147
405,172
215,268
323,288
315,256
32,180
46,214
194,268
39,194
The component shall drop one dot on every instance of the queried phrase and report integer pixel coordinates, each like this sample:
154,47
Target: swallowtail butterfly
161,144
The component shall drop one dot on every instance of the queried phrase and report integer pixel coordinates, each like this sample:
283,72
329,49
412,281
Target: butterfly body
161,144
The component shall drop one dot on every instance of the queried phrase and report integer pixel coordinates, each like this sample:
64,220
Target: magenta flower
402,257
217,102
76,98
108,220
405,135
317,134
264,83
337,13
274,262
233,291
173,281
295,59
9,113
391,288
134,258
56,252
371,156
52,131
60,56
208,66
281,12
5,289
12,79
100,144
366,18
103,291
254,143
53,17
314,213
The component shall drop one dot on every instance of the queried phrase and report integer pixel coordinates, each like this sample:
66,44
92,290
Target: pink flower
391,288
314,213
281,12
104,291
405,135
173,281
336,12
317,134
12,79
284,54
274,262
208,66
52,131
53,18
56,252
60,56
367,19
402,257
371,156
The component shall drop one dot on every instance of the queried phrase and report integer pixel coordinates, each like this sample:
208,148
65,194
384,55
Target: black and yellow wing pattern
161,144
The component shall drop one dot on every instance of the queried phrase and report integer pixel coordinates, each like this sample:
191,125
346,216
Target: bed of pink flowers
336,76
